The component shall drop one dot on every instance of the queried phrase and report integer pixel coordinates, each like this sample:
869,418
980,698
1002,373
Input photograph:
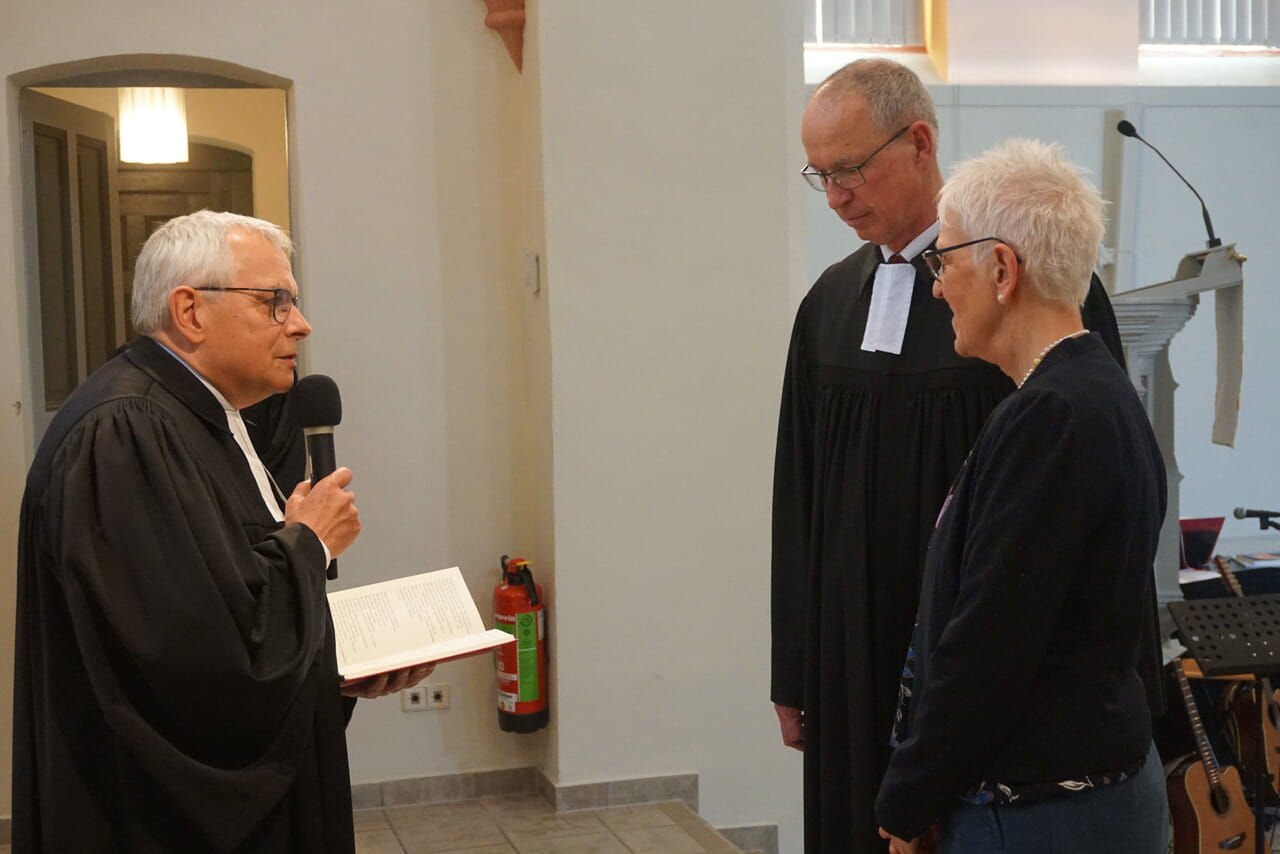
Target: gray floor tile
585,843
553,824
370,820
706,836
678,810
433,840
439,815
527,824
660,840
380,841
629,818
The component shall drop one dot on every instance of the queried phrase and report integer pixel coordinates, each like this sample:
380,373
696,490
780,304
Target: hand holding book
394,625
392,682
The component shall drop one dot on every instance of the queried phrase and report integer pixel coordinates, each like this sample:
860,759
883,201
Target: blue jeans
1127,818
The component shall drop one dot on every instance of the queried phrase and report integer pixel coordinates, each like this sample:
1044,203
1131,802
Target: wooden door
75,307
216,178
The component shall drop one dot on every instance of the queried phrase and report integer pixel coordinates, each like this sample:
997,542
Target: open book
407,621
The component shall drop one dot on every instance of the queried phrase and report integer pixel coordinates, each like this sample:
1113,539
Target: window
889,23
1211,22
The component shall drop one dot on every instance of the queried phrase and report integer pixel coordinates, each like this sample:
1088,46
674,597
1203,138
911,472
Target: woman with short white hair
1024,725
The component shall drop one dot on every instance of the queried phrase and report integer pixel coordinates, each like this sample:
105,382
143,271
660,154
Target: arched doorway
85,214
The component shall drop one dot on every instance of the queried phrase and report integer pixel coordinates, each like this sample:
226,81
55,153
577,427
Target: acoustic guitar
1247,722
1206,801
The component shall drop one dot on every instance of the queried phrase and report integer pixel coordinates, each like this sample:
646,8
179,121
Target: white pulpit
1148,318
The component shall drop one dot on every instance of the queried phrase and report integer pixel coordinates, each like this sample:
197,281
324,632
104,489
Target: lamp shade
153,125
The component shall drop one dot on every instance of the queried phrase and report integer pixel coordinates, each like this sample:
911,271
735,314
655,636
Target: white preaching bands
891,296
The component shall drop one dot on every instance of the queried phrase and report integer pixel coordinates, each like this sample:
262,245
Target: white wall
668,201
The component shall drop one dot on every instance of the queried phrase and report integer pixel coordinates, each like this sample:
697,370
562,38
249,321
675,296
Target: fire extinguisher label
527,654
506,701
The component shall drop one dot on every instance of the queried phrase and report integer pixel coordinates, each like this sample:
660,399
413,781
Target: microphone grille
1126,127
317,402
1239,513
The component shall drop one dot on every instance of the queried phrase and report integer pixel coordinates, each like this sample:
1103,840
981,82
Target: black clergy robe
175,685
868,444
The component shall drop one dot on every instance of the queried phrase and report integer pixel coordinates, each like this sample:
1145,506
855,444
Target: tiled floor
526,824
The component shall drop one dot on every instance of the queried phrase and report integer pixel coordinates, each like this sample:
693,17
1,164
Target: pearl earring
1000,298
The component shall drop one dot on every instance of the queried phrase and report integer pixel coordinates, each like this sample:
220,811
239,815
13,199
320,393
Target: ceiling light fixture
153,125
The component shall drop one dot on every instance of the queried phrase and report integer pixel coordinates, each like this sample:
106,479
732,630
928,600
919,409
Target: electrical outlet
414,699
437,696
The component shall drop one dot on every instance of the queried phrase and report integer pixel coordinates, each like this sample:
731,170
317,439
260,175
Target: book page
404,617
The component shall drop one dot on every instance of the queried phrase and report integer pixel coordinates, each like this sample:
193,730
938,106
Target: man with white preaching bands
176,686
877,414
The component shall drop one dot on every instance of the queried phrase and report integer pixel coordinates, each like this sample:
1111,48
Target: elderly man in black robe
877,415
176,686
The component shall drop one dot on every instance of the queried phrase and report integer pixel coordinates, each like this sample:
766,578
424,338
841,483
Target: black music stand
1232,636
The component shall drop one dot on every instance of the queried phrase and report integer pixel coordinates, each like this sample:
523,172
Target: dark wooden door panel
215,178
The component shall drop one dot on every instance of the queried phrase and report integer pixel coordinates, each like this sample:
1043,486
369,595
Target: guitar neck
1229,577
1203,749
1233,584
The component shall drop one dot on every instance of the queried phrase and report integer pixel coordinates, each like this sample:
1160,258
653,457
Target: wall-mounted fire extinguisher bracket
518,608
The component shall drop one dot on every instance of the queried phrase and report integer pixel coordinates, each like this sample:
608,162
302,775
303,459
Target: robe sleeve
200,631
1099,316
792,521
1021,551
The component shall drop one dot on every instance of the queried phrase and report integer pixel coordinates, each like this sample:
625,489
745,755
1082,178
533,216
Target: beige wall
248,120
669,195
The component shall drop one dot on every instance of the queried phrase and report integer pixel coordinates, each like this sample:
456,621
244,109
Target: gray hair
893,93
190,250
1028,194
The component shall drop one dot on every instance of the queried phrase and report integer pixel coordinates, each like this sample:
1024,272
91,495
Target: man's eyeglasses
847,177
282,300
933,257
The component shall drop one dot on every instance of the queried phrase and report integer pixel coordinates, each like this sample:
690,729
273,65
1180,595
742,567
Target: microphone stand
1265,522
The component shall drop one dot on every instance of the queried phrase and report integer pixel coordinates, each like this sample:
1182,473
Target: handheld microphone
1242,513
1127,129
319,409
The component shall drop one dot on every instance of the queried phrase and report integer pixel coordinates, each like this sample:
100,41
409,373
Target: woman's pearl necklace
1035,363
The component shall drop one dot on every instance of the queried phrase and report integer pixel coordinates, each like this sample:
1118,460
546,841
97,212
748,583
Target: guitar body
1253,723
1206,821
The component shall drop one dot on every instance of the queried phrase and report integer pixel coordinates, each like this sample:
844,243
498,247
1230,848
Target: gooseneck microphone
319,409
1127,129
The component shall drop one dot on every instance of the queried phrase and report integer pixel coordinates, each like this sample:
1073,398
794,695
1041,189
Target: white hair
1030,196
190,250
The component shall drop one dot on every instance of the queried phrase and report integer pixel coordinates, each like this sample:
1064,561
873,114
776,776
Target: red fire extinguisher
522,666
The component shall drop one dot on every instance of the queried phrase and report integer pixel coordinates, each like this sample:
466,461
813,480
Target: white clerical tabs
890,306
418,619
